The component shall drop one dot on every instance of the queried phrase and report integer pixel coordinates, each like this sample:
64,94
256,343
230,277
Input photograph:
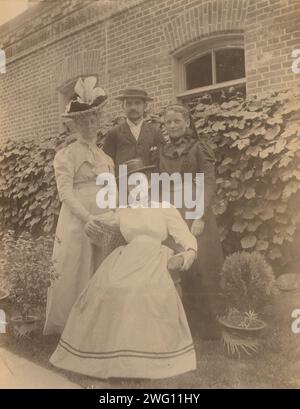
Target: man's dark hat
136,165
134,93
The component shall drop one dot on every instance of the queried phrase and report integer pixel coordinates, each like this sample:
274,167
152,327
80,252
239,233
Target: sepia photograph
149,197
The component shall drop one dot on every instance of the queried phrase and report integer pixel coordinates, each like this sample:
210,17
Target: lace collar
88,143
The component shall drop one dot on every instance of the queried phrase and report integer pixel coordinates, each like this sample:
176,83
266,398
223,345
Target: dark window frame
197,49
213,65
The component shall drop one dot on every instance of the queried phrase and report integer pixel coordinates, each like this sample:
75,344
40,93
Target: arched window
215,67
209,66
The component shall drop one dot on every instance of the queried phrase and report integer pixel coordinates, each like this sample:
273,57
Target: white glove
197,227
188,258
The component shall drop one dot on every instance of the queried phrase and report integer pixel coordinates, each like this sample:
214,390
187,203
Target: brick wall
132,43
272,31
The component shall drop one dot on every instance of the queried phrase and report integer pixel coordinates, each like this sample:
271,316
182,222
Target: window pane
230,64
199,72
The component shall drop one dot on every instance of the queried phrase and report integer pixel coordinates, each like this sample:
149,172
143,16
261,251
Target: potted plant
31,270
247,282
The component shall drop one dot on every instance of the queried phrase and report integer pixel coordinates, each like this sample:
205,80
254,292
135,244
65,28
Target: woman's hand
108,218
93,230
197,227
93,227
188,258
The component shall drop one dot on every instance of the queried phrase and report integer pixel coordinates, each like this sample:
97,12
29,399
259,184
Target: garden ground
20,373
276,366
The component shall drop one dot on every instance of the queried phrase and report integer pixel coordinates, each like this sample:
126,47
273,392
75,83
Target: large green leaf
248,242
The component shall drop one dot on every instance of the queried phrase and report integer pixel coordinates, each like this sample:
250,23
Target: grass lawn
276,366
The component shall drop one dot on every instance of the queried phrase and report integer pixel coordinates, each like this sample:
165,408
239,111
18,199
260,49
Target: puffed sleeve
64,173
206,165
178,229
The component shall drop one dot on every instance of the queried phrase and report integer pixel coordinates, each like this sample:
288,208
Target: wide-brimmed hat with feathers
87,98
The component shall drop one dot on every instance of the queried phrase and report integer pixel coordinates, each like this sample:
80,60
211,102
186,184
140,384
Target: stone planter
240,340
24,327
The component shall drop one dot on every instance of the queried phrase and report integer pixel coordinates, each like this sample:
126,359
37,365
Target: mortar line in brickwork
44,26
64,34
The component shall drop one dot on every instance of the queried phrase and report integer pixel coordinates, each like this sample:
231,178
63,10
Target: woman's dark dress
201,284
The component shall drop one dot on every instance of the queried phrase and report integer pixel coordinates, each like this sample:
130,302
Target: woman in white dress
76,168
129,322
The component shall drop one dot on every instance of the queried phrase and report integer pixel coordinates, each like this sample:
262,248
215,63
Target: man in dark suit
134,138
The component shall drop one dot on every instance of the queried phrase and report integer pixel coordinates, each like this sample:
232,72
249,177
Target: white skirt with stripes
129,322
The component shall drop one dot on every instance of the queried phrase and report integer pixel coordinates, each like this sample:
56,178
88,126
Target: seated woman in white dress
129,322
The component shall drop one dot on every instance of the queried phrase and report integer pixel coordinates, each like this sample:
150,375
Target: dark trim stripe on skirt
125,353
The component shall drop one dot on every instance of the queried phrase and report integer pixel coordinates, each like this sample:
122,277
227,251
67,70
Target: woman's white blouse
78,164
156,223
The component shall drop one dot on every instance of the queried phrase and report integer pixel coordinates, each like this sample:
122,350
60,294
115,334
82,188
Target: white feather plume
86,90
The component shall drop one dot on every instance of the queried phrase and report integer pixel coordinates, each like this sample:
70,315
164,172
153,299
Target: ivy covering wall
257,148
